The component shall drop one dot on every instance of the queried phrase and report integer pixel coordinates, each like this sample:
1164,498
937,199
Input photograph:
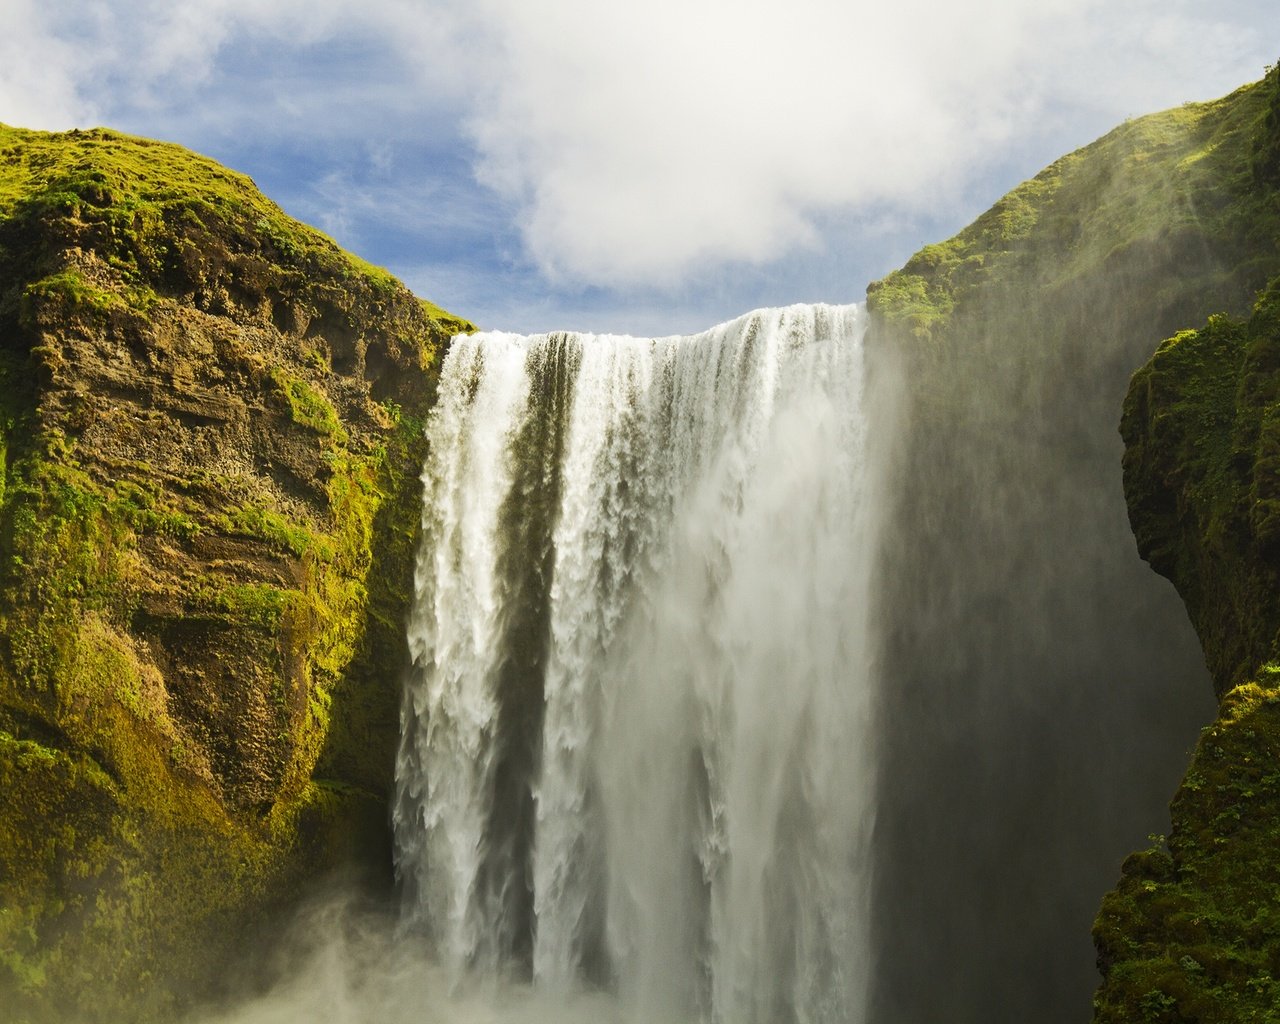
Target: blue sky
622,167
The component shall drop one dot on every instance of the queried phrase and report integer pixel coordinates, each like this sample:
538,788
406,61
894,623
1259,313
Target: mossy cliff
1041,681
209,453
1169,201
1192,931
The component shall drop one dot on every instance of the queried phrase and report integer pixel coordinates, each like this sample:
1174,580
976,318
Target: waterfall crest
636,744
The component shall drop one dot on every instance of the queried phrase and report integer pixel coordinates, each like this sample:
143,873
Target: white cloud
642,144
646,141
65,65
38,71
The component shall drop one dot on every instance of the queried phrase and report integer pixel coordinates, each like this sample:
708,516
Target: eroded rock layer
210,419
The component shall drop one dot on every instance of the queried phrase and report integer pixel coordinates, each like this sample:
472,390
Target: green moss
73,286
327,624
127,849
369,690
147,510
1192,932
1202,476
256,605
307,406
277,529
65,552
1177,180
1266,142
449,323
133,187
198,666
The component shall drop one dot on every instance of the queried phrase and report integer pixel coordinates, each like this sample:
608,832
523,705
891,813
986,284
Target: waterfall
636,746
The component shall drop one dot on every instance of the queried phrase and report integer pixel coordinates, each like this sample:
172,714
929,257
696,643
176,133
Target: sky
640,168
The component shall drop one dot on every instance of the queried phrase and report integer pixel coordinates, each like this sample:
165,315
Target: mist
344,959
1042,686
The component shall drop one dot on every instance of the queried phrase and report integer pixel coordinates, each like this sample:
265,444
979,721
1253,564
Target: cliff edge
1192,931
1044,683
210,436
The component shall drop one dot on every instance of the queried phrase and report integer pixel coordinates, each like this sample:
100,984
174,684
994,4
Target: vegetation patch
307,406
1093,205
1202,477
1192,931
201,605
277,529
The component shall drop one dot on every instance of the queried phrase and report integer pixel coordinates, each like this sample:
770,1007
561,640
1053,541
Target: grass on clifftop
132,186
1101,199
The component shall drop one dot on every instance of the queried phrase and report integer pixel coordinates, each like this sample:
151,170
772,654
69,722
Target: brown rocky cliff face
211,426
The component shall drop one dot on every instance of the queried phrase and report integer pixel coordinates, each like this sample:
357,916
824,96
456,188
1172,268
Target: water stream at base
636,751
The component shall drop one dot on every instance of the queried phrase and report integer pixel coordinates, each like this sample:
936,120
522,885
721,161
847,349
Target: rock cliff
1192,931
1043,682
210,428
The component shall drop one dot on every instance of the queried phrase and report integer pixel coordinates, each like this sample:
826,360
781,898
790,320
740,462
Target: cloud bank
645,141
644,145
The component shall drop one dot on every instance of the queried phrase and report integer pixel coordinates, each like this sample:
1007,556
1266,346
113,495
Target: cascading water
636,746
